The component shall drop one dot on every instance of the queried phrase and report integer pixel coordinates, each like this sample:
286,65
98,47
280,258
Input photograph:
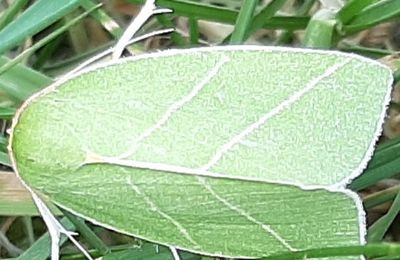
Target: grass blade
42,12
381,197
224,15
264,16
4,159
194,31
373,15
164,20
303,10
87,233
11,12
149,251
7,112
20,81
351,9
103,18
40,250
378,230
44,41
243,21
320,30
370,250
384,164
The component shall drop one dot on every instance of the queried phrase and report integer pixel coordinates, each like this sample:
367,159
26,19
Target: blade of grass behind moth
381,197
4,159
44,41
166,22
40,250
20,82
87,233
9,14
303,10
369,250
44,54
3,143
103,18
149,251
373,53
261,18
143,251
37,17
320,31
396,75
28,226
12,249
385,163
193,30
77,33
243,21
378,230
7,113
379,12
224,15
351,9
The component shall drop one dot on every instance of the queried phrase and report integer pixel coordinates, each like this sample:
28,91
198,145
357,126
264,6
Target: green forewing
109,143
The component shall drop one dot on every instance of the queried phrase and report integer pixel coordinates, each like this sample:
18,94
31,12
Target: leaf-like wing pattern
210,150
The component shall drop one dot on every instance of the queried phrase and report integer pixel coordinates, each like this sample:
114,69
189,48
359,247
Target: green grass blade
224,15
28,226
373,15
370,250
40,250
7,112
381,197
3,143
4,159
87,233
243,21
304,9
396,75
264,16
166,22
351,9
320,30
44,41
40,15
384,164
378,230
43,55
11,12
149,251
374,53
103,18
194,30
20,81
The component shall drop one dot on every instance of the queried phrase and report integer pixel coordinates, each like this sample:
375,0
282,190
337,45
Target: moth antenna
109,51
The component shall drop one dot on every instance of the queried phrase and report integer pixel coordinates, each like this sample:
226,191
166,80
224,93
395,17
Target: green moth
236,151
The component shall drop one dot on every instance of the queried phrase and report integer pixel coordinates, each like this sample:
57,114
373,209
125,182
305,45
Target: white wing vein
153,206
275,111
246,215
176,106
